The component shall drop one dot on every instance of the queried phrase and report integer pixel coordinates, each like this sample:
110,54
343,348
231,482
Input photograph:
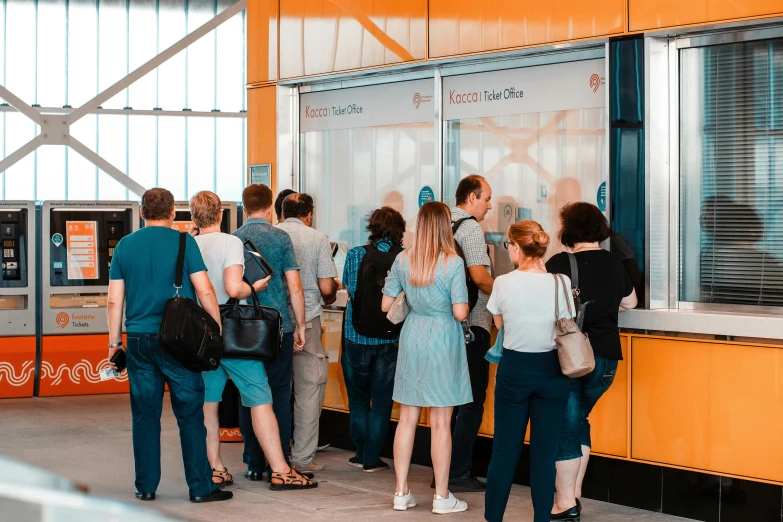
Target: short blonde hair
205,208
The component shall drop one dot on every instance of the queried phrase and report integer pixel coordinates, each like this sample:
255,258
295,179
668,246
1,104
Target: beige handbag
399,309
573,346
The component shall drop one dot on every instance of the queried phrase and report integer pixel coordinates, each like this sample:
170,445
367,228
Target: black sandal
291,480
222,478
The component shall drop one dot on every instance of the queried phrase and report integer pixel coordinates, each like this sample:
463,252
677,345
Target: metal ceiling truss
56,128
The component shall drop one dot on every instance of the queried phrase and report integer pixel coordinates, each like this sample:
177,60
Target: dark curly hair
386,222
582,223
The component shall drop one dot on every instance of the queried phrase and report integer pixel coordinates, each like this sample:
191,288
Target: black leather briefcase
251,331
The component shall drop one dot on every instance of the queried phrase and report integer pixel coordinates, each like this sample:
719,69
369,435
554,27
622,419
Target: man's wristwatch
115,345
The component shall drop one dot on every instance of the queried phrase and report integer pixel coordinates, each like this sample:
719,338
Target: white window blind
731,202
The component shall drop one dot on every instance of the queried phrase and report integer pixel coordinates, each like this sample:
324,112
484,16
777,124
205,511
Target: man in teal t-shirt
142,277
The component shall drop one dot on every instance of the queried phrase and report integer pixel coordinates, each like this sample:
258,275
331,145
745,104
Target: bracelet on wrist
115,345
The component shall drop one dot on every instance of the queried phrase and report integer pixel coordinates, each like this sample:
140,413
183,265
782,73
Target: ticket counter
17,299
77,244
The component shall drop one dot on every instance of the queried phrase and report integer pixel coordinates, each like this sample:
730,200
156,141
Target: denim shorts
584,395
249,376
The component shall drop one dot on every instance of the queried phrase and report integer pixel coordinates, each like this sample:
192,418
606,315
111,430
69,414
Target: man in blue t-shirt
276,247
142,277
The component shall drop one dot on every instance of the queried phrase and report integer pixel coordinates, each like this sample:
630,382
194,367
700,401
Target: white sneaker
444,506
403,502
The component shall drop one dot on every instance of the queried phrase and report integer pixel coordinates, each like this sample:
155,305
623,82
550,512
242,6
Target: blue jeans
584,395
469,416
150,367
279,374
369,378
529,386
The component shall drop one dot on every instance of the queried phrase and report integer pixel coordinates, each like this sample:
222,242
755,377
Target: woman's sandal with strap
222,478
291,480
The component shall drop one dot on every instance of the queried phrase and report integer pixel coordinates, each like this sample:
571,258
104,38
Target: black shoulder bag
187,331
579,306
252,332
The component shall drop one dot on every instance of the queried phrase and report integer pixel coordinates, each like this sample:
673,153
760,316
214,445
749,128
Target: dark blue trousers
369,379
279,374
529,386
150,367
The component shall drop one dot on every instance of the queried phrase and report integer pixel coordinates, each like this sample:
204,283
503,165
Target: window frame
663,165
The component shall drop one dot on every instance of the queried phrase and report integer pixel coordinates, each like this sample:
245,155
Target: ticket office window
82,245
351,172
535,163
731,175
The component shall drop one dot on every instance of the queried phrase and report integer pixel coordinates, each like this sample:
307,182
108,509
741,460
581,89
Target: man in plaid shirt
369,364
473,201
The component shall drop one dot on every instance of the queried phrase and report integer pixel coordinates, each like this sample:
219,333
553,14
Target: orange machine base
70,365
17,367
230,435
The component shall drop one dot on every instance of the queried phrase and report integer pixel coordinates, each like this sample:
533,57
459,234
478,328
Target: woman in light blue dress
432,366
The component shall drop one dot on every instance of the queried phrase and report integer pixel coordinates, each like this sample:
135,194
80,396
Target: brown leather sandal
291,480
222,478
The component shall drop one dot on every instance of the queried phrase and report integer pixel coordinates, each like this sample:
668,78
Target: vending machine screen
82,244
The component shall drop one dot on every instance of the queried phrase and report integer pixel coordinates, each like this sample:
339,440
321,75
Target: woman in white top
529,383
224,256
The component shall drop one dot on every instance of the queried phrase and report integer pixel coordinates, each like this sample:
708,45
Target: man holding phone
276,248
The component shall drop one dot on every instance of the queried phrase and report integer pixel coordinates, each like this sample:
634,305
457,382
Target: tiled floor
88,439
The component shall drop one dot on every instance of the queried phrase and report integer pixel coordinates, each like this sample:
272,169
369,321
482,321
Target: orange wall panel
655,14
322,36
261,41
467,26
17,367
708,405
262,127
609,418
70,366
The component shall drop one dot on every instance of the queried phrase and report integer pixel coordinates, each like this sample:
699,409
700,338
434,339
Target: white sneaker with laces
403,502
450,504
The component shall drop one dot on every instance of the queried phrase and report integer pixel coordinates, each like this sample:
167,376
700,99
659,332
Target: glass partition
539,137
373,147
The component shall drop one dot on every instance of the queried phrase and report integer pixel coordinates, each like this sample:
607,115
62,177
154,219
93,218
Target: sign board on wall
373,106
544,88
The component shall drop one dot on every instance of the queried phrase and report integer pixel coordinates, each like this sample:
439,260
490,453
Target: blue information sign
601,197
426,195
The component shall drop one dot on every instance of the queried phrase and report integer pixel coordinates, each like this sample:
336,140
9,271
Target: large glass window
538,135
85,46
731,200
378,151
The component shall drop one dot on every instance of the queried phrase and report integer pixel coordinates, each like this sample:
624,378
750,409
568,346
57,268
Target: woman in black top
604,282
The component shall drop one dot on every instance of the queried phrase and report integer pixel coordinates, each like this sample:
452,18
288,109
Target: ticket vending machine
184,222
17,299
77,244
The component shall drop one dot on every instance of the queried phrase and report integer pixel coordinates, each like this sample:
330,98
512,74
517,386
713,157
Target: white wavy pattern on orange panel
82,369
8,372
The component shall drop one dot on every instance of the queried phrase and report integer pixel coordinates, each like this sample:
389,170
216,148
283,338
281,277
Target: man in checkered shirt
473,201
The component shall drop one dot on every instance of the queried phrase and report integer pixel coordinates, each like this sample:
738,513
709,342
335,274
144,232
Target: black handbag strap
180,263
575,291
574,272
256,302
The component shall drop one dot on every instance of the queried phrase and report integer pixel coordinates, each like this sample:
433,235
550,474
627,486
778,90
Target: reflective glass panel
113,147
535,163
171,155
201,155
51,53
731,189
112,49
350,172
